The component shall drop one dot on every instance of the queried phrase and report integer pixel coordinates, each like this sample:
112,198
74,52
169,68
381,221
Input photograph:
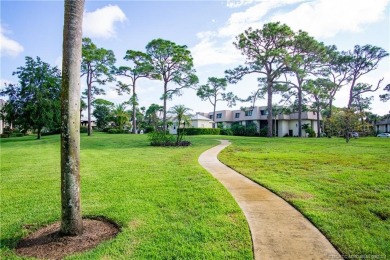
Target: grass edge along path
344,189
278,230
167,205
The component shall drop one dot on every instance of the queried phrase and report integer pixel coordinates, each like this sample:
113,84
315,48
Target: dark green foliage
102,112
263,132
117,131
226,131
7,132
83,129
309,130
149,129
242,130
201,131
159,138
35,102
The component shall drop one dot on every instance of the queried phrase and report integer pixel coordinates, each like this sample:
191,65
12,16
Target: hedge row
201,131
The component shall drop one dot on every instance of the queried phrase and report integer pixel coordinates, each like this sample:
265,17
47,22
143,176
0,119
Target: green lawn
168,206
344,189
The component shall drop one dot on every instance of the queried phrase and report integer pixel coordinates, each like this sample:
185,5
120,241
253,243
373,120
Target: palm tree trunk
71,220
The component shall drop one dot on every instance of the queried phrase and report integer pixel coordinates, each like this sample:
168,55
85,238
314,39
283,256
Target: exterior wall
283,127
285,122
201,124
383,126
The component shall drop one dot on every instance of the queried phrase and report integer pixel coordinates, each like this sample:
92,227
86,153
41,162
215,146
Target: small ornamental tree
180,113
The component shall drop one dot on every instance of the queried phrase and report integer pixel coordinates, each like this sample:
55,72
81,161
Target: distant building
196,121
383,126
286,124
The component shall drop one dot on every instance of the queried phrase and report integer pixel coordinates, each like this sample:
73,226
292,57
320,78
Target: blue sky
208,28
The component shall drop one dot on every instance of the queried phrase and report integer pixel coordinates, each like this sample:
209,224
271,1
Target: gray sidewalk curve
278,230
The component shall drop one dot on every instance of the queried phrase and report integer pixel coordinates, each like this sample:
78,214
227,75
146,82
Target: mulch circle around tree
47,243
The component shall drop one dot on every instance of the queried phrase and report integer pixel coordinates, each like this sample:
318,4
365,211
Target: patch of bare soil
47,243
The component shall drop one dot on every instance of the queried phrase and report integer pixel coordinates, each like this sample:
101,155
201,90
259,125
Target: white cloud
326,18
209,51
217,48
9,47
238,3
101,23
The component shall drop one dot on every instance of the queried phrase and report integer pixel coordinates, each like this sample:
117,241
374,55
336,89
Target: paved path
278,230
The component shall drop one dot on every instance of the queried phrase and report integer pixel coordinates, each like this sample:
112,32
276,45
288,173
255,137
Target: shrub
200,131
160,138
227,131
149,129
116,131
264,132
83,129
241,130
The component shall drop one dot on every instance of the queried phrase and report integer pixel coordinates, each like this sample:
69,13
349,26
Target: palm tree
180,113
71,221
121,116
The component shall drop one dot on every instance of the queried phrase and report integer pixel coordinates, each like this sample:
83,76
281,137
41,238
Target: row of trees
296,64
292,63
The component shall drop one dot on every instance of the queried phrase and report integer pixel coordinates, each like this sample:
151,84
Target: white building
286,124
196,121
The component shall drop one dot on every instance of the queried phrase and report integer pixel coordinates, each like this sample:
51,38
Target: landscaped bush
149,129
116,131
241,130
264,132
164,139
7,132
160,139
227,131
83,129
200,131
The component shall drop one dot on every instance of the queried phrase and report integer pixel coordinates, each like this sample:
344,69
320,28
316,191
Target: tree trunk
299,110
89,131
269,107
165,107
71,220
134,112
215,123
318,122
39,133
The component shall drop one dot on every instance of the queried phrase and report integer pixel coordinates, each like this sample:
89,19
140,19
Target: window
219,115
263,112
211,117
237,115
248,113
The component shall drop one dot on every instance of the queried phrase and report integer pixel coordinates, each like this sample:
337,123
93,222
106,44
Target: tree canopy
173,63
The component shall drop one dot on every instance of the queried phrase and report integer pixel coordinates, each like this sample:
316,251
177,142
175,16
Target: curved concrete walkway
278,230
